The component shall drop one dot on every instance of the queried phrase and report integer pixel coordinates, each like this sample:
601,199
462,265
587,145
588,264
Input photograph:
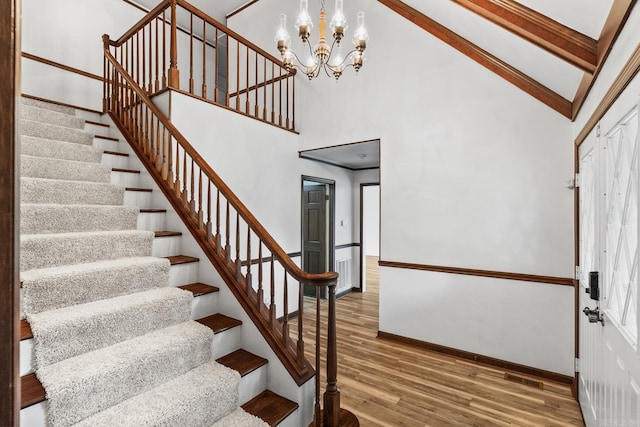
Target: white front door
609,387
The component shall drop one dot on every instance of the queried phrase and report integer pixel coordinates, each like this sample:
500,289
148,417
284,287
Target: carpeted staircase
114,344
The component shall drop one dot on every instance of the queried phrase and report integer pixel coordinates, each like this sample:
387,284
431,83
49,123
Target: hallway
389,384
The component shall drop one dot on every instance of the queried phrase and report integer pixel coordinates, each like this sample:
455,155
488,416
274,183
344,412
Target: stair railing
178,46
228,233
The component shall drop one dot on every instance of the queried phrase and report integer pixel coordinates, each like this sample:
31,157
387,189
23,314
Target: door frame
362,256
9,213
331,214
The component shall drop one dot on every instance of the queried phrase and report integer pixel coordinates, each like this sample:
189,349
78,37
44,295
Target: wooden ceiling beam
484,58
618,15
567,44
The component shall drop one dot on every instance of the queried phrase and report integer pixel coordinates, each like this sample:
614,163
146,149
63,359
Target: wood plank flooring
389,384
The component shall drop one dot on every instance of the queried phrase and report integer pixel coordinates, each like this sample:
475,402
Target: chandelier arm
342,64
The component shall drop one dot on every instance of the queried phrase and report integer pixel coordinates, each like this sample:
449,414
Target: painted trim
326,162
478,358
241,8
10,386
61,66
268,259
514,76
550,280
347,245
626,75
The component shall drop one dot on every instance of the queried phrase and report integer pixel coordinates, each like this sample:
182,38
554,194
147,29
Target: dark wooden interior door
314,231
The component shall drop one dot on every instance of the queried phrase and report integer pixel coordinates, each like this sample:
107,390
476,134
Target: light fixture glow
323,56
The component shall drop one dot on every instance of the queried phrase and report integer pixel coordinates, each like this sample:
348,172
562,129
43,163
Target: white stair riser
34,416
253,384
226,342
291,420
151,221
106,144
141,199
125,179
204,305
183,274
96,129
115,161
26,356
166,246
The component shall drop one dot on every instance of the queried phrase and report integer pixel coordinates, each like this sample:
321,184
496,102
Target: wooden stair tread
182,259
219,322
242,361
110,138
153,210
198,289
147,190
32,391
124,170
270,407
168,233
115,153
91,122
25,330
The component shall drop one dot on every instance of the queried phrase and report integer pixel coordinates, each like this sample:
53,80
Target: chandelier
323,56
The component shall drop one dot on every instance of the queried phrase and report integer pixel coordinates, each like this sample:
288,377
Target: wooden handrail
323,279
252,73
229,31
150,16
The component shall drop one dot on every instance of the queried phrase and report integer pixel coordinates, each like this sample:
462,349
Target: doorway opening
318,212
369,228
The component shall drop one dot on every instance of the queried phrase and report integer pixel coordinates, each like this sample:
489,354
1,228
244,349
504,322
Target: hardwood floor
389,384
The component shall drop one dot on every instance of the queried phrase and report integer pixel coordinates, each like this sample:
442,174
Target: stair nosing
182,259
110,138
91,122
257,361
150,210
232,323
165,233
139,189
115,153
124,170
212,290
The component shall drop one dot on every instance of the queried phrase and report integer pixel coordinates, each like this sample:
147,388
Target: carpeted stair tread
219,322
40,147
71,170
197,398
270,407
47,105
242,361
68,332
44,190
37,114
240,418
61,286
198,289
59,133
50,250
40,218
92,382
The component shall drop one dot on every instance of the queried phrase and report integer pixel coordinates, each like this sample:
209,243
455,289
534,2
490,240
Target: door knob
593,315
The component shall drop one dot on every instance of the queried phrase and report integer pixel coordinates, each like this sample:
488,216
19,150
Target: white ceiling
356,156
585,16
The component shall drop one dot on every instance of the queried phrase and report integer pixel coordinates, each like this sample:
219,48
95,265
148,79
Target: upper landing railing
180,47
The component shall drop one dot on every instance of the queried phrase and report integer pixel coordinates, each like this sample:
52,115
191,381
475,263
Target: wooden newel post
331,394
174,73
105,84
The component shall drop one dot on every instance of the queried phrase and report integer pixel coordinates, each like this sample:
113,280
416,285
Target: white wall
371,220
70,32
472,173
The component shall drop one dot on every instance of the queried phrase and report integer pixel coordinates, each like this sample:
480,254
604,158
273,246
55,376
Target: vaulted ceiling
552,50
